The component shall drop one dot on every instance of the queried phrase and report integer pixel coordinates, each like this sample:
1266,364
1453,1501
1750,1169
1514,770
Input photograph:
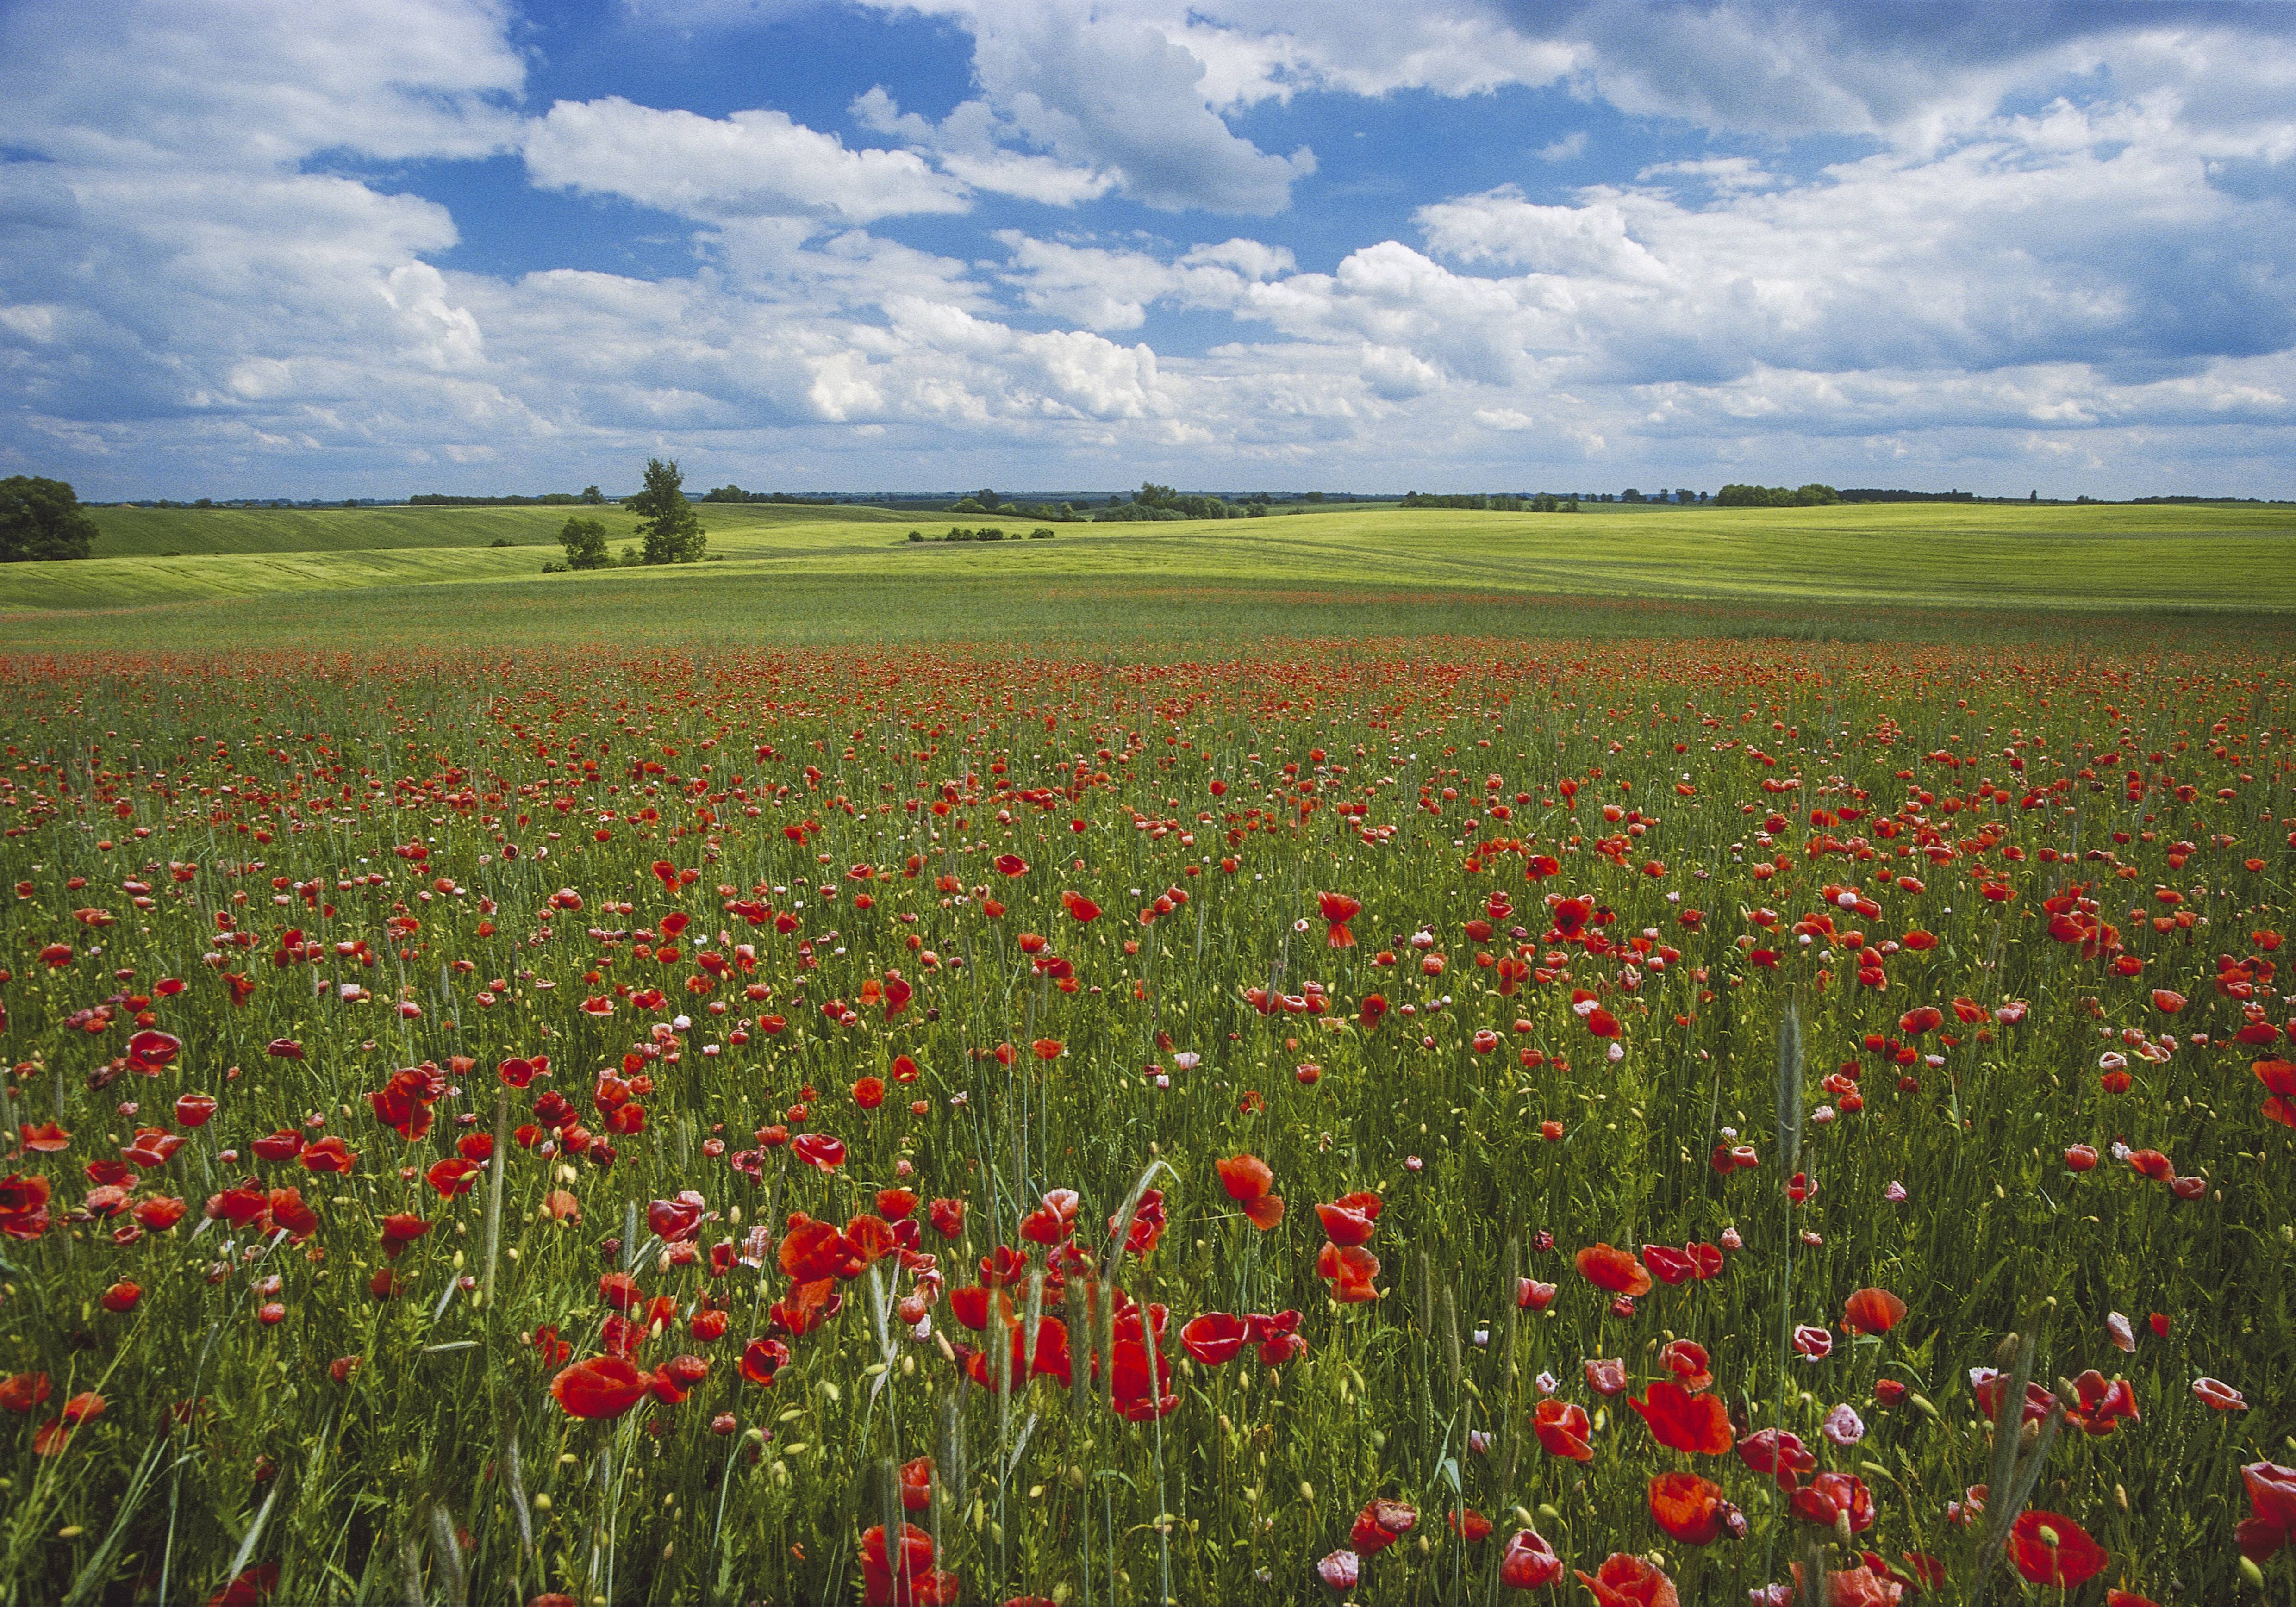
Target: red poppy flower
24,1205
1053,1220
806,1307
1214,1338
453,1176
947,1217
2049,1548
1691,1510
1612,1269
1779,1453
1683,1422
1814,1344
148,1052
819,1150
2270,1525
194,1110
1339,909
2215,1392
599,1386
1828,1497
152,1147
1140,1390
1687,1360
1872,1311
1380,1525
814,1251
1339,1571
289,1211
1563,1430
329,1154
1986,1385
1250,1182
902,1574
1012,864
1626,1580
1531,1295
1529,1561
25,1392
1349,1221
1350,1271
762,1359
1668,1266
400,1229
2097,1408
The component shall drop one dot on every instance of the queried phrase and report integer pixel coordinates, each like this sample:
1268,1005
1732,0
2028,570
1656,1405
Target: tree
585,541
669,531
593,497
41,518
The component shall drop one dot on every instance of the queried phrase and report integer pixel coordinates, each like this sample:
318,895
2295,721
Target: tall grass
440,1469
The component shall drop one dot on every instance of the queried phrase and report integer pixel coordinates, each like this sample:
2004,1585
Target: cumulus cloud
755,163
2059,234
1096,98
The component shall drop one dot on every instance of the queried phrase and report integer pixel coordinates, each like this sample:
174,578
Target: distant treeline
588,497
1866,493
1501,501
733,493
985,533
1811,495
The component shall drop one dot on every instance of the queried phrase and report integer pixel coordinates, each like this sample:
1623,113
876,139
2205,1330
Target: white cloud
1111,99
755,163
190,285
253,84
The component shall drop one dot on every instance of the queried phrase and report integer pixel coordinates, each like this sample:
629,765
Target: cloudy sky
371,247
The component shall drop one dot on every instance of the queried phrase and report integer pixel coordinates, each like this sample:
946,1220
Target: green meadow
195,578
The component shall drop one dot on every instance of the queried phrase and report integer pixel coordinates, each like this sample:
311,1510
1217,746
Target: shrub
41,518
1811,495
585,541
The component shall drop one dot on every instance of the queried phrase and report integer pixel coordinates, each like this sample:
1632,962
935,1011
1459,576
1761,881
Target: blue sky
249,248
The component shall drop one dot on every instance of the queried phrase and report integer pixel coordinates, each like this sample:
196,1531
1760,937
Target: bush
41,518
917,535
1041,533
1811,496
585,541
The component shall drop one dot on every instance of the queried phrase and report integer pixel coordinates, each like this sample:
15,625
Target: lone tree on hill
585,541
42,519
670,530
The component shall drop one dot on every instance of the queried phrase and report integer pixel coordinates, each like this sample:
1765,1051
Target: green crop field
191,578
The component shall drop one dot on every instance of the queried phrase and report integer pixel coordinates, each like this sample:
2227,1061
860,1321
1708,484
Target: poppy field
1411,1121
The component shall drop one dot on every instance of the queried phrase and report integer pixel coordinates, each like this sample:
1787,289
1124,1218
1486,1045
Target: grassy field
617,1126
340,576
